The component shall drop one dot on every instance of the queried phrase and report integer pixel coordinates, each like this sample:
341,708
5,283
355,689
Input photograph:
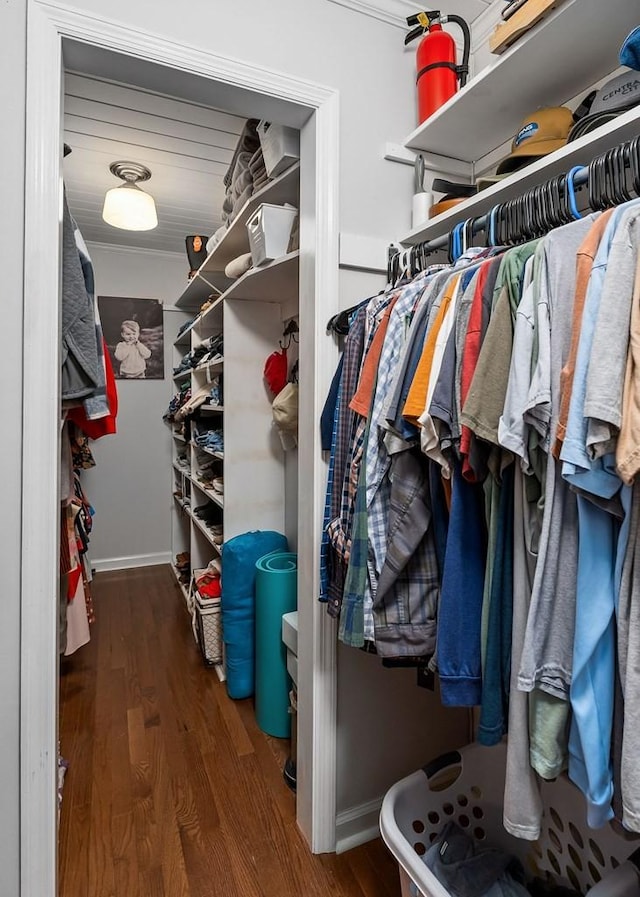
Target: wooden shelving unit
249,314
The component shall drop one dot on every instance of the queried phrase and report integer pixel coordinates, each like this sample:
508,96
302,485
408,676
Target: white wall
387,728
12,100
130,487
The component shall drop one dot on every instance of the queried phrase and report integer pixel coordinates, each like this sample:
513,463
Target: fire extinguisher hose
463,68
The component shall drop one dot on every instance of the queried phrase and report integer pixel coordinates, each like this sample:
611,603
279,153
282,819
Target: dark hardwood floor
172,790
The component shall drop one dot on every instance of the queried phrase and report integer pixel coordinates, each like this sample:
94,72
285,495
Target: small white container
269,231
280,147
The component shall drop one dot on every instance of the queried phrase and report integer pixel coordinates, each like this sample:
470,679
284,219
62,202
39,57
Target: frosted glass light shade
129,208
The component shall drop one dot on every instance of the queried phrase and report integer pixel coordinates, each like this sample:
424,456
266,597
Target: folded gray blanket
240,201
248,142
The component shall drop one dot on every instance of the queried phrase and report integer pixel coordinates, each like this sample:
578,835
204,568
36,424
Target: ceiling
187,147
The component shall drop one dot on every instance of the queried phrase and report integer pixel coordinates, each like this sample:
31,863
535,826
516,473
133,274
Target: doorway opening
57,36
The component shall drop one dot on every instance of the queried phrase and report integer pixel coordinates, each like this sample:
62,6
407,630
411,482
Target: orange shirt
417,396
363,396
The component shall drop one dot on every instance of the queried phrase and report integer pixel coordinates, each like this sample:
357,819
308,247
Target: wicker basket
206,616
467,786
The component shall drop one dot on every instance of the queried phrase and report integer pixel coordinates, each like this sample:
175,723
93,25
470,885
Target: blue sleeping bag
239,557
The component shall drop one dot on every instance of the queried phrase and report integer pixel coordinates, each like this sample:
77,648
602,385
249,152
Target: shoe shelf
183,588
209,365
560,57
185,337
210,320
210,493
205,531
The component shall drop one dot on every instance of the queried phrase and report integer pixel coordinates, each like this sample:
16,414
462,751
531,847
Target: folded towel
241,183
242,164
256,162
240,201
238,266
259,183
247,142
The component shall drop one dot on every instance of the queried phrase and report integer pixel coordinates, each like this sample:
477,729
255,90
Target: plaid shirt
324,545
377,458
341,452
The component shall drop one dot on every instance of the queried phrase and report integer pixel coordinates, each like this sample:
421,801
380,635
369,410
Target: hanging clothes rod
580,178
536,211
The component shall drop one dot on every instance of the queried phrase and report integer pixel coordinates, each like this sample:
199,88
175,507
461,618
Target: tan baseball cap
541,133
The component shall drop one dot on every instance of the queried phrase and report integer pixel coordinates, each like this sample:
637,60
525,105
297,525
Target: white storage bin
269,232
280,147
467,787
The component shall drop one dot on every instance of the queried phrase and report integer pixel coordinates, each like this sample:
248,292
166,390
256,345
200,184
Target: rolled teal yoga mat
276,594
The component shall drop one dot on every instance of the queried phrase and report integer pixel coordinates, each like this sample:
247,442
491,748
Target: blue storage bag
239,557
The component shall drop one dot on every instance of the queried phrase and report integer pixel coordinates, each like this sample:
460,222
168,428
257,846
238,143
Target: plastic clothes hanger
634,162
491,229
571,191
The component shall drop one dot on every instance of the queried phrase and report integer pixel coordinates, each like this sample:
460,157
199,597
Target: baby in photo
131,353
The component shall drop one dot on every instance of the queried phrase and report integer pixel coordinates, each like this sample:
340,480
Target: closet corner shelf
274,282
209,365
178,437
284,188
181,376
558,58
211,409
215,498
211,319
578,152
185,337
200,287
182,586
205,532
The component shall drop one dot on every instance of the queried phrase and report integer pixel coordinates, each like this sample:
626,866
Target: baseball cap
613,98
540,133
285,415
276,371
630,50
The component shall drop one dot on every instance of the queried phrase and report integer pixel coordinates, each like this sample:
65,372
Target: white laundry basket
467,787
269,231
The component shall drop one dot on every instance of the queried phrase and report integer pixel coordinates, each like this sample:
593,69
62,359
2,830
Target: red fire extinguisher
438,71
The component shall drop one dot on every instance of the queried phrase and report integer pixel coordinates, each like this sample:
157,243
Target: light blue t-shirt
603,504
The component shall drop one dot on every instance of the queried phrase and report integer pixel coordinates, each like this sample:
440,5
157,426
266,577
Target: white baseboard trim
126,563
357,825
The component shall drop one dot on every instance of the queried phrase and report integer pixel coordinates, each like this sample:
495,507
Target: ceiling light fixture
127,206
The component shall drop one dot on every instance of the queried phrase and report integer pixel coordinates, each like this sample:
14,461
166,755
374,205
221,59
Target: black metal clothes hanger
340,323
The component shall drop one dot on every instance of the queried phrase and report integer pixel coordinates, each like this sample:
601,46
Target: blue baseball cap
630,50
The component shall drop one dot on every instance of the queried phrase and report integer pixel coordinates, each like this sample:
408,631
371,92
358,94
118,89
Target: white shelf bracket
395,152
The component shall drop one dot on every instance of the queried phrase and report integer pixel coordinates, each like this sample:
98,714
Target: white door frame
48,25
